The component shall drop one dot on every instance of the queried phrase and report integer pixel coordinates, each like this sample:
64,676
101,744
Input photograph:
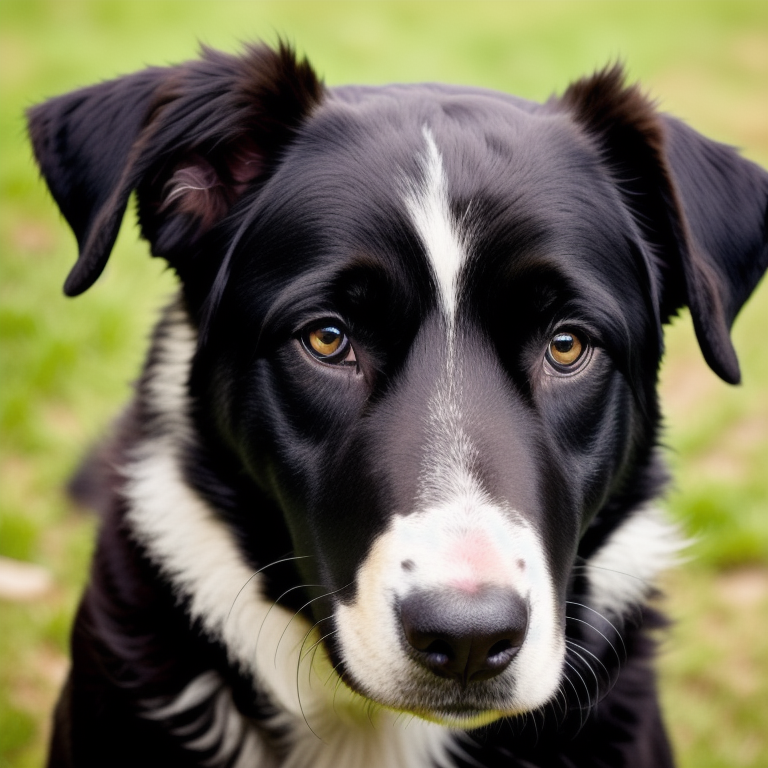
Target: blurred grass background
66,366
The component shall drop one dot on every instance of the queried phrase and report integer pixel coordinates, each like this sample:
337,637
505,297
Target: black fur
279,203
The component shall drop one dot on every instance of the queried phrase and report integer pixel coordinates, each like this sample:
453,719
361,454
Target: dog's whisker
612,646
369,712
601,616
256,573
574,644
586,663
583,711
314,653
579,705
545,712
562,705
596,612
306,721
313,650
535,727
587,565
304,654
298,685
308,603
335,692
583,682
525,722
332,673
402,719
566,706
298,671
275,603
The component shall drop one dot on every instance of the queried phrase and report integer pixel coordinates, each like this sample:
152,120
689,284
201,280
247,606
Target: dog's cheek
291,420
589,420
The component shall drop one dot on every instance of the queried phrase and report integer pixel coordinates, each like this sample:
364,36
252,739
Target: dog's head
429,326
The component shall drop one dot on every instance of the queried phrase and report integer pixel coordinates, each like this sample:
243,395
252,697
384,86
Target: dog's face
428,365
430,327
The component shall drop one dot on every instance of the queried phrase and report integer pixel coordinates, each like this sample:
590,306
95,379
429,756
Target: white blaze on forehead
450,454
428,204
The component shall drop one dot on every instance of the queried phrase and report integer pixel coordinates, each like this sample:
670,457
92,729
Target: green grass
66,366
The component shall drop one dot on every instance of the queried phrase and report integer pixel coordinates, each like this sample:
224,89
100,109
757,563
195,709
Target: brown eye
565,350
328,343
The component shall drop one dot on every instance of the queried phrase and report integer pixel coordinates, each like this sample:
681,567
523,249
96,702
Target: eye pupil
328,336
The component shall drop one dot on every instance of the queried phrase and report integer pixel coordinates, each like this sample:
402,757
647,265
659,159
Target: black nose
467,637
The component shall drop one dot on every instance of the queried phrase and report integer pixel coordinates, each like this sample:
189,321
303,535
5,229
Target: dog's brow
429,207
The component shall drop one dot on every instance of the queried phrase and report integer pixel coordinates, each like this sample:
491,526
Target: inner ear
205,187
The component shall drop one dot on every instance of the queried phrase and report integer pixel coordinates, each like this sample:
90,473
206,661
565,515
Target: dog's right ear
189,139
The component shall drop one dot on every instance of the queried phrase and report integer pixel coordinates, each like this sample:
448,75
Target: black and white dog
384,497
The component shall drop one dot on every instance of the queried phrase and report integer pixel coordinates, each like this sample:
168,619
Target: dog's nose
465,636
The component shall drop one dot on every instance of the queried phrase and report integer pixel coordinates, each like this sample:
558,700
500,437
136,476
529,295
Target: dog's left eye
329,344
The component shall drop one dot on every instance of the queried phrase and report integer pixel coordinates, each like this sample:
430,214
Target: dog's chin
460,717
456,716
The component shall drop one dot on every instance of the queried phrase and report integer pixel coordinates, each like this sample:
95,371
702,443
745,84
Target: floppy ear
724,201
190,139
702,208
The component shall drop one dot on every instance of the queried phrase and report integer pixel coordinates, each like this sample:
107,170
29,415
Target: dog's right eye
329,344
566,353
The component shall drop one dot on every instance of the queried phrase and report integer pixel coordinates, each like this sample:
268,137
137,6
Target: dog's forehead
489,167
430,182
483,138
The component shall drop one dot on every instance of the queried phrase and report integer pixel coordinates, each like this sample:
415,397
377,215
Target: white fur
226,730
432,540
327,724
429,207
166,387
624,570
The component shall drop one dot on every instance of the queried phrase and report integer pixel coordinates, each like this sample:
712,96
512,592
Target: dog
385,496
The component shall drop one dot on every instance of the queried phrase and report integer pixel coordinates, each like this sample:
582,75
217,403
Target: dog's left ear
702,207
